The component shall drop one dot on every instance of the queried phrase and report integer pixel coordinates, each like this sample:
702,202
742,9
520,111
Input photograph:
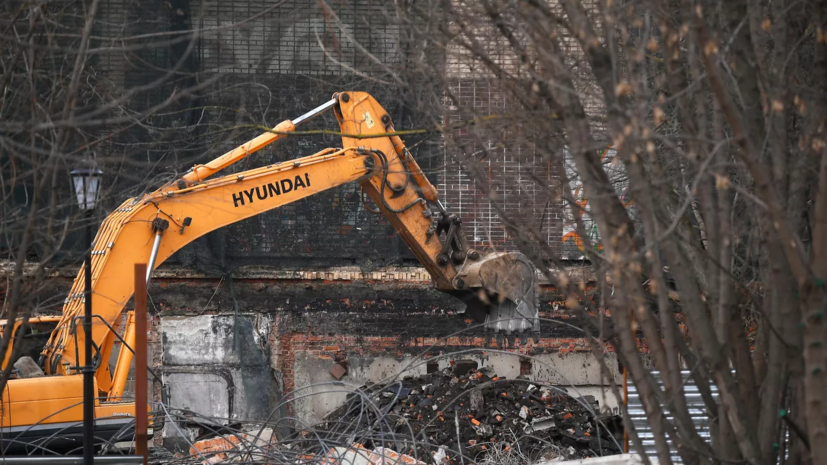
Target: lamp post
86,182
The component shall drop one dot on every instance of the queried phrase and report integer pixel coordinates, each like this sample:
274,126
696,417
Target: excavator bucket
502,293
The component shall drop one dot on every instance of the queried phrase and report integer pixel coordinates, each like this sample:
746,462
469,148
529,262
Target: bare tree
61,109
716,251
716,122
144,93
43,93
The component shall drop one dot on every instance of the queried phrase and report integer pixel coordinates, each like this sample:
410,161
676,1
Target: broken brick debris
470,411
239,447
215,450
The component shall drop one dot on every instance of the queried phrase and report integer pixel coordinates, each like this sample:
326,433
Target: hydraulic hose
385,173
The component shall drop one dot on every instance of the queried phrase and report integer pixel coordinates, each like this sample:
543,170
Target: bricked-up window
432,367
525,366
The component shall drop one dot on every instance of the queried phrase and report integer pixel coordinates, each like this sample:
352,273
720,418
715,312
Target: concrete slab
203,393
210,340
623,459
572,368
218,366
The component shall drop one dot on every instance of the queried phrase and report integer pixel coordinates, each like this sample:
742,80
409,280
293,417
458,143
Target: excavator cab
28,338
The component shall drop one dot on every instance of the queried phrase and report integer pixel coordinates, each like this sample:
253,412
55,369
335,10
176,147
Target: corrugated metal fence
694,402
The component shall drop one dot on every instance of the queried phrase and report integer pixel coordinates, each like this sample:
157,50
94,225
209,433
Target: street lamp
87,186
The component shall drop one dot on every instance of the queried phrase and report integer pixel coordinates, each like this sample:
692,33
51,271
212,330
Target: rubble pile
475,413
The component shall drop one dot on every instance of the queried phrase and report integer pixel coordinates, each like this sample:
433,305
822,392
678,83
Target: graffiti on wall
574,245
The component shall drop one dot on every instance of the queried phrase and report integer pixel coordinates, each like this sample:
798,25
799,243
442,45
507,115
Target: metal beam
99,459
140,361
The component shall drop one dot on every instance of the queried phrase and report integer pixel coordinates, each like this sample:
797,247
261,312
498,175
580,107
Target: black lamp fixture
87,183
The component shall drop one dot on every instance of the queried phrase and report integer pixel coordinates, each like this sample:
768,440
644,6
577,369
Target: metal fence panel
694,403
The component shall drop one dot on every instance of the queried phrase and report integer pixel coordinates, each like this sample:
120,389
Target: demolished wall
261,345
269,350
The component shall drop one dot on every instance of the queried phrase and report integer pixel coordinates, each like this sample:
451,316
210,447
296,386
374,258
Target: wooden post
140,362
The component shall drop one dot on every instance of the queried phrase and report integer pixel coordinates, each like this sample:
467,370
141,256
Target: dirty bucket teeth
510,281
513,317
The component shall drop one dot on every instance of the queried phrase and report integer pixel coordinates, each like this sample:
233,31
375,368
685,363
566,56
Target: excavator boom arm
178,217
149,229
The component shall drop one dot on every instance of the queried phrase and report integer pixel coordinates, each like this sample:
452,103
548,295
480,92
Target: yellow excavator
499,289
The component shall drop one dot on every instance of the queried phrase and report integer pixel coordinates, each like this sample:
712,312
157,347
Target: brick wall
340,347
300,322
